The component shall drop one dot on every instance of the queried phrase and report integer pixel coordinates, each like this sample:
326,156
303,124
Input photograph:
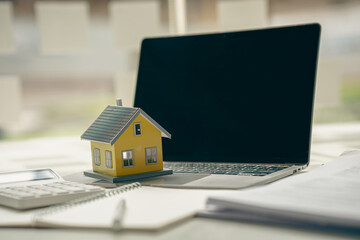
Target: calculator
38,188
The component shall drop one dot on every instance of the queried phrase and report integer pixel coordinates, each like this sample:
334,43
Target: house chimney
118,102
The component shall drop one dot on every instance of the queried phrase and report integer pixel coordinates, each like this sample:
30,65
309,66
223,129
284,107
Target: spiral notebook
147,208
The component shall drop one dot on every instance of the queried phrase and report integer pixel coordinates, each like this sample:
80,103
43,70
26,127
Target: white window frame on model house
138,124
108,159
151,155
128,158
96,156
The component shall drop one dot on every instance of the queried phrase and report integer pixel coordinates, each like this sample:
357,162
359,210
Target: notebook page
15,218
147,208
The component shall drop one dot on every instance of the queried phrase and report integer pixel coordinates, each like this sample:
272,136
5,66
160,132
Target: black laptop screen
232,97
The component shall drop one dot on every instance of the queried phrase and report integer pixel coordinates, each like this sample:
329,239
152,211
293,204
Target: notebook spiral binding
83,200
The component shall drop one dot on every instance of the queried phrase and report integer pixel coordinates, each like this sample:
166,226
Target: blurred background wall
61,62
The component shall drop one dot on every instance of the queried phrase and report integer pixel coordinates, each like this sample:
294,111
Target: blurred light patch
63,27
327,83
243,14
10,100
351,91
131,21
124,87
7,45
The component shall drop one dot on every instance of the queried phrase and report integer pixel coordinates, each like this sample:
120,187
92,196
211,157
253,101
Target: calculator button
17,194
57,190
26,196
73,189
42,193
53,190
83,186
91,188
21,189
67,187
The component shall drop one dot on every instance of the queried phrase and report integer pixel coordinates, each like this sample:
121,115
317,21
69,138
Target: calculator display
29,175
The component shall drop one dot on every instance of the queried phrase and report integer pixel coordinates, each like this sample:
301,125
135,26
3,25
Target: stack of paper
328,196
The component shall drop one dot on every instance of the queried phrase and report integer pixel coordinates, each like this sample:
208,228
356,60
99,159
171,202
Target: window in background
62,89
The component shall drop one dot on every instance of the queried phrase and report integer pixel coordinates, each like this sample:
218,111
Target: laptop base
217,181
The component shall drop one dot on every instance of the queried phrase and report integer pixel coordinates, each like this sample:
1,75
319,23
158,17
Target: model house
125,141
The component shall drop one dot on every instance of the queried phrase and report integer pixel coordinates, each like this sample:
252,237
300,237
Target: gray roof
113,121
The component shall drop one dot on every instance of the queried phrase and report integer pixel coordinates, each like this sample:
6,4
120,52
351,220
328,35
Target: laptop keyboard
224,168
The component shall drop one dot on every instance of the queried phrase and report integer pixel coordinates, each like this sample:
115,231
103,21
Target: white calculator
38,188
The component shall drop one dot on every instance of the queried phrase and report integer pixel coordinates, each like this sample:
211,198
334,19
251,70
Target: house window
137,129
151,155
108,159
128,158
96,156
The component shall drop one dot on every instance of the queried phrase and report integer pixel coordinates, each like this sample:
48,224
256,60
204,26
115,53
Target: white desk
69,155
196,229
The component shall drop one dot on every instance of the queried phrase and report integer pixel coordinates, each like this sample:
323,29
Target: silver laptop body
238,104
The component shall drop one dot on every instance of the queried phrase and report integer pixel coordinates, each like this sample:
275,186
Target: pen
119,215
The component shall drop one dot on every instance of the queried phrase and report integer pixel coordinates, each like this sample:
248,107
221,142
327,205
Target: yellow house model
125,141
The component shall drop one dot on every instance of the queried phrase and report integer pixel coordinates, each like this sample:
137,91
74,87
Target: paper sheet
147,208
330,192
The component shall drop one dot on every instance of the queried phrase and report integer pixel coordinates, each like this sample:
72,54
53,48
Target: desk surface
197,228
329,142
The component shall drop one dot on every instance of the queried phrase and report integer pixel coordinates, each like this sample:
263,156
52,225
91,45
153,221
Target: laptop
237,104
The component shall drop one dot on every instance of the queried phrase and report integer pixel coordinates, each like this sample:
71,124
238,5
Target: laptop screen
232,97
